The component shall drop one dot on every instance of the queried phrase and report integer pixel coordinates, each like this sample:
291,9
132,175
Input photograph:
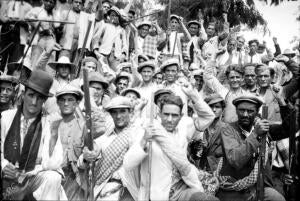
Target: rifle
82,51
150,148
292,189
40,20
89,135
261,160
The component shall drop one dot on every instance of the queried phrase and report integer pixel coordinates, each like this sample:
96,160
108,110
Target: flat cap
159,92
97,77
125,91
248,98
193,22
144,64
213,98
169,62
146,23
118,102
8,78
69,89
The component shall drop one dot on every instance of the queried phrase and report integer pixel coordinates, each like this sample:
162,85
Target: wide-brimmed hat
142,65
69,89
8,78
63,61
146,23
143,56
40,81
214,98
97,77
118,102
193,22
169,62
125,91
289,52
248,98
159,92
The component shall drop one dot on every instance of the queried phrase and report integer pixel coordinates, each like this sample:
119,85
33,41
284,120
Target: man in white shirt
173,177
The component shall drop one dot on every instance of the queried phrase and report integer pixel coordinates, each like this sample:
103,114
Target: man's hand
188,89
10,172
279,95
287,179
90,155
141,103
275,40
53,46
261,127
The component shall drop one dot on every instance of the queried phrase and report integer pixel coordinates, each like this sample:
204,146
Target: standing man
70,128
240,141
173,177
27,146
7,92
250,78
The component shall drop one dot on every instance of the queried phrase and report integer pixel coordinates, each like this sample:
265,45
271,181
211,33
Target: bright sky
281,22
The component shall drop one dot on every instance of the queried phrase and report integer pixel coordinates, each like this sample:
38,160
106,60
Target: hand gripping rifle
261,160
89,135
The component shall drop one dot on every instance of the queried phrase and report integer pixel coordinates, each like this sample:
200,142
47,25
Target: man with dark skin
240,141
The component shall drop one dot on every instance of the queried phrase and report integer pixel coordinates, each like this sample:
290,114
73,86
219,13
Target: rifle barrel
42,20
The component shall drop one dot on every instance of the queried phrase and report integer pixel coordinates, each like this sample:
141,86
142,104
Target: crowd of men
176,113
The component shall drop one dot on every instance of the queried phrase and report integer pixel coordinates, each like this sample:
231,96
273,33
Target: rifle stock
89,135
261,160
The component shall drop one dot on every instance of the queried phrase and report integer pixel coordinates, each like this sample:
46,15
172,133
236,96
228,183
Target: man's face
77,5
253,48
199,82
67,104
121,117
7,92
246,113
174,24
194,29
264,78
98,90
231,46
144,31
105,7
33,102
91,66
240,43
132,96
170,116
250,76
63,71
234,79
114,18
49,5
122,84
210,30
217,109
171,73
147,73
158,78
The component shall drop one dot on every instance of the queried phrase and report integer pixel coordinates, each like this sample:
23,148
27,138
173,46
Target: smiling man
7,92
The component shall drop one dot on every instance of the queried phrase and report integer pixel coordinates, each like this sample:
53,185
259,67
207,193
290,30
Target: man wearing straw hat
31,156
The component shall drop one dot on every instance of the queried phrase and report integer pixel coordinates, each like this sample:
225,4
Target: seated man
238,168
30,156
173,177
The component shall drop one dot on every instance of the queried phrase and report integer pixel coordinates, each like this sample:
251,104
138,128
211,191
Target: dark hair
272,71
234,67
248,65
173,100
75,95
253,41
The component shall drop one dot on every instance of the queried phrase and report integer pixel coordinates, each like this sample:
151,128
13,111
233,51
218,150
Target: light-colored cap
146,23
144,64
69,89
118,102
8,78
193,22
125,91
169,62
97,77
